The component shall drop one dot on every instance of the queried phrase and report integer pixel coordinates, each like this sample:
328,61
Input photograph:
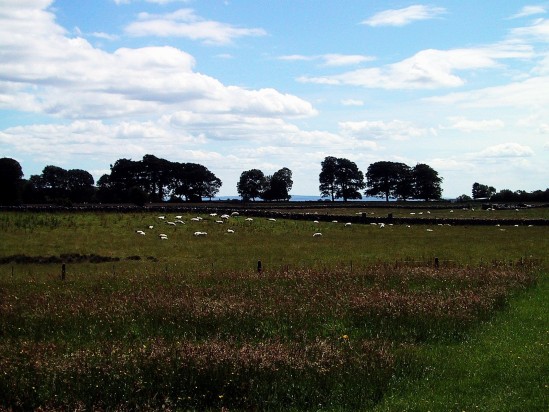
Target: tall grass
331,323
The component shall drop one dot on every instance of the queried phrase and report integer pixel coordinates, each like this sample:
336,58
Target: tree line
153,179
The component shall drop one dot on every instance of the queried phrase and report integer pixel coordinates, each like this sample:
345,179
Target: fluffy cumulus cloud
529,11
330,59
402,17
45,70
467,125
392,130
427,69
185,23
505,150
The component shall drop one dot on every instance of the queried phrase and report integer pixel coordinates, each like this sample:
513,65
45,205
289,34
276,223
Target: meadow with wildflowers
353,319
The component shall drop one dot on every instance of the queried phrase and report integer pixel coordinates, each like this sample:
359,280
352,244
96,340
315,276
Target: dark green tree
481,191
278,186
80,185
389,180
251,184
327,177
11,175
426,182
349,180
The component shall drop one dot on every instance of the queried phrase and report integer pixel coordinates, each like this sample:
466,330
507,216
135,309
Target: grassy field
357,318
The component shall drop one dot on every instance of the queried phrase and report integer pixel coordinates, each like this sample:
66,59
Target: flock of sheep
178,220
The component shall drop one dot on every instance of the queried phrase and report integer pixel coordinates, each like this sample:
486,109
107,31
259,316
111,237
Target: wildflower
345,337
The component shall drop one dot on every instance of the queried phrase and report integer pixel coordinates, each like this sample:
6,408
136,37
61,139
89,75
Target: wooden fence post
436,263
63,271
259,268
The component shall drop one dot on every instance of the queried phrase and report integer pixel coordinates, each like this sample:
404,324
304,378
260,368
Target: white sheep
316,221
234,214
249,219
180,221
140,232
151,226
195,219
213,214
317,234
271,219
230,231
171,223
200,233
219,221
225,216
348,224
163,236
429,230
179,217
162,217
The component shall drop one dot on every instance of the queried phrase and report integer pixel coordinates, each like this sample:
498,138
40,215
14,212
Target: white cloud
118,2
529,11
392,130
427,69
505,150
185,23
352,102
330,60
538,30
46,71
402,17
466,125
524,94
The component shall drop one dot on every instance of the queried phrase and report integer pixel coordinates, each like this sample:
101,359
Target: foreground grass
355,319
503,366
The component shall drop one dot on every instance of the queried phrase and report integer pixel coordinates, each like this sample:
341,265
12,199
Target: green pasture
278,244
358,318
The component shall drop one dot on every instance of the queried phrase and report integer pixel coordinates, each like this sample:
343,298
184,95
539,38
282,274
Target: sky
234,85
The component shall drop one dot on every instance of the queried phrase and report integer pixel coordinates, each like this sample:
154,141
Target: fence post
259,268
63,271
436,262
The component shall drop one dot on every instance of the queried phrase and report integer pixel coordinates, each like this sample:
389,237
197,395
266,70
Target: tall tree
349,180
388,179
80,185
278,186
481,191
11,176
426,182
251,184
327,177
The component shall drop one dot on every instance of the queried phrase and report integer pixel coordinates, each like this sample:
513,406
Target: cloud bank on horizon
236,85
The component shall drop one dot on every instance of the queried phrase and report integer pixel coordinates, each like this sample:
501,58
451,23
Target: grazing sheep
348,224
334,221
140,232
179,217
381,225
429,230
151,227
180,221
249,219
163,236
162,217
219,221
316,221
171,223
200,233
213,214
234,214
271,219
317,234
230,231
195,219
225,216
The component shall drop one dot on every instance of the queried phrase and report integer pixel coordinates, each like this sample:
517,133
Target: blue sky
236,85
